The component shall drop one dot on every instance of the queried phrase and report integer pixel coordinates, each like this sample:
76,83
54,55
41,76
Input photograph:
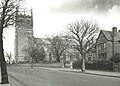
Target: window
28,21
102,47
20,20
102,55
89,58
75,46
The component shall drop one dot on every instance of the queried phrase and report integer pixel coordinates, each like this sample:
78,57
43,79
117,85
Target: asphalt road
39,77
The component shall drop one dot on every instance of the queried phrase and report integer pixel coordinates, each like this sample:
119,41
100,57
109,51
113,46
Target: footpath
92,72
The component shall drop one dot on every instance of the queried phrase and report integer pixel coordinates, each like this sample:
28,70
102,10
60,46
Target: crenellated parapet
24,19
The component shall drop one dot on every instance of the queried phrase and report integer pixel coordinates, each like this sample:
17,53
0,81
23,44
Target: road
42,77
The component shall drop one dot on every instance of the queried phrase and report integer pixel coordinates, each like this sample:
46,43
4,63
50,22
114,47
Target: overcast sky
52,16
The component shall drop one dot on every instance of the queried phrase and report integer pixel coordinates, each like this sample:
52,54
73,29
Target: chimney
114,31
119,31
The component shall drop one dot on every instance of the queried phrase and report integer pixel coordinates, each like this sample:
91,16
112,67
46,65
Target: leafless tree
7,13
58,45
30,49
36,55
32,54
9,56
83,33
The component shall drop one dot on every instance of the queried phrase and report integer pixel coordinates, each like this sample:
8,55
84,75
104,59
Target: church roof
41,41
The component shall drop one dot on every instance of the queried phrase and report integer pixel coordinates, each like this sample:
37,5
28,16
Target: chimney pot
114,31
119,30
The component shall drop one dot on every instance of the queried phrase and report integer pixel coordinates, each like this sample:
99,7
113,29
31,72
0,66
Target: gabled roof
41,41
107,34
45,41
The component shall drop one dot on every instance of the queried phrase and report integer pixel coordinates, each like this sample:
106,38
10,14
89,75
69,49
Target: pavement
92,72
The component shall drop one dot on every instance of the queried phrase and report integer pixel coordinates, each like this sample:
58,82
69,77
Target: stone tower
23,35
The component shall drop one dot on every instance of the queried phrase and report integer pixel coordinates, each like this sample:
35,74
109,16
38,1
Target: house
107,44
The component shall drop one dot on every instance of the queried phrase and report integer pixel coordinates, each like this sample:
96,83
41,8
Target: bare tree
58,45
7,13
9,56
30,49
32,54
36,54
83,34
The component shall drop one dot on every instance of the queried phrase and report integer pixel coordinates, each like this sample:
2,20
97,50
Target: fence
100,66
116,67
104,66
76,65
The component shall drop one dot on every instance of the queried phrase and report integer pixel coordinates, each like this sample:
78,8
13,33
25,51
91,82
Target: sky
52,16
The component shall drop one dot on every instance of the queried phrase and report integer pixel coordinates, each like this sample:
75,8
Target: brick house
107,44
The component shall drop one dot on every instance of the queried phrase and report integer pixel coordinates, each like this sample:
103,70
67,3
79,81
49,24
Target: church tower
23,35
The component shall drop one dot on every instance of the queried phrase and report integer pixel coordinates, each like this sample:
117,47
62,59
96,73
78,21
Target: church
24,38
23,35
